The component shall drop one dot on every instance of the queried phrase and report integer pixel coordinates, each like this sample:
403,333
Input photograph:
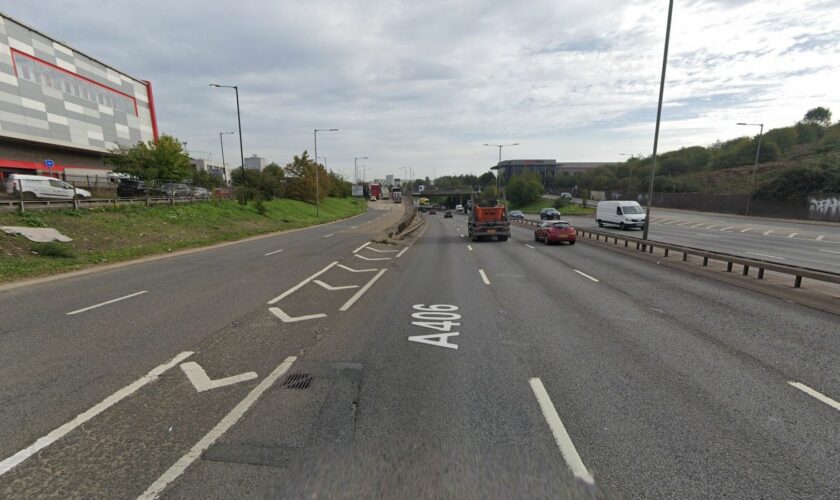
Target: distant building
255,162
544,168
213,168
389,180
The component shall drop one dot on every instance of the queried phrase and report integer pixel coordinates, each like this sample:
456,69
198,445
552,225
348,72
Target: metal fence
21,205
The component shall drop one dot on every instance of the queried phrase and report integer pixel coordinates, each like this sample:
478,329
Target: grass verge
113,235
570,209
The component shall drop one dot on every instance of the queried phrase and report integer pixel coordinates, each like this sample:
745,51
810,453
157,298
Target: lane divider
814,394
484,276
347,305
77,311
587,276
272,253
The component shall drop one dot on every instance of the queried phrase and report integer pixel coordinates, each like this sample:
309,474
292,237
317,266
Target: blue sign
49,163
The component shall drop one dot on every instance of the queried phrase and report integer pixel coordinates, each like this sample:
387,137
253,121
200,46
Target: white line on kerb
361,247
14,460
816,394
529,246
226,423
307,280
77,311
272,253
765,255
561,437
484,276
586,276
347,305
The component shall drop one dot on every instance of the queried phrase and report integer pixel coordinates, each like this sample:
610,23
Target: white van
624,214
41,187
459,209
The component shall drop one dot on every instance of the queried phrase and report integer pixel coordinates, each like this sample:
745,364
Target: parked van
38,186
624,214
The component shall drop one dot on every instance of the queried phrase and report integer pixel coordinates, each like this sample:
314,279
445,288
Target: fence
77,203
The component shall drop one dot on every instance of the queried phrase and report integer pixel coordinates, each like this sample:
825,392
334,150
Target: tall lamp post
222,144
317,187
755,165
498,165
239,121
658,119
629,171
356,166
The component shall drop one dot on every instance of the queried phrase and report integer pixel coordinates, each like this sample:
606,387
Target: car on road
517,214
373,198
549,214
432,211
555,232
35,187
459,209
624,214
176,190
447,214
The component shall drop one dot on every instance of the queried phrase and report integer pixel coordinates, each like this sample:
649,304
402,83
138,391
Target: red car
555,231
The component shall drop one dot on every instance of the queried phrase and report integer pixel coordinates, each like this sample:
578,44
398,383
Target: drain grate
297,381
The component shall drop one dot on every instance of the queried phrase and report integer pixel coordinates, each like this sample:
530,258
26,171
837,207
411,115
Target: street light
222,144
498,165
658,119
356,166
239,121
755,166
317,188
629,170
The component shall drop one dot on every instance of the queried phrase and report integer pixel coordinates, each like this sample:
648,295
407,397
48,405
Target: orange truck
487,220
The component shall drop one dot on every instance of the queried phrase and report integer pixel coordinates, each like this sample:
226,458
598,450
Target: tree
524,189
488,194
164,160
818,116
301,184
487,179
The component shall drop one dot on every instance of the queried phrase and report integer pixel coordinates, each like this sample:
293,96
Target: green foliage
796,183
831,139
30,219
53,249
259,206
524,189
207,180
819,116
164,160
733,153
785,137
770,151
808,132
560,203
488,194
301,182
487,179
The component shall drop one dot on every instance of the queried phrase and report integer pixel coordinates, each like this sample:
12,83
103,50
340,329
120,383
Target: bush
53,249
831,139
259,206
785,137
560,203
524,189
793,184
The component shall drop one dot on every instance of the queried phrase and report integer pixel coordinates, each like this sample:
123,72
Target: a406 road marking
439,317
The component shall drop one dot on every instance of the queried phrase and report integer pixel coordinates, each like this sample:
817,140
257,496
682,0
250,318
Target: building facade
543,168
213,168
61,110
255,162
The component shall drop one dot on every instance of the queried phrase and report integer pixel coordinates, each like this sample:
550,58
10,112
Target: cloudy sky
424,84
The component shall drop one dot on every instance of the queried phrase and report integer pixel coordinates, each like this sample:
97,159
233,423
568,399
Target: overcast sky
424,83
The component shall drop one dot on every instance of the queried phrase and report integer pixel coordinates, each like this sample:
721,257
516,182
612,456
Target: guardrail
762,265
75,204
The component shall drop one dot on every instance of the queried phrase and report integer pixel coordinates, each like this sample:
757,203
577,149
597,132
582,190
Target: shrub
53,249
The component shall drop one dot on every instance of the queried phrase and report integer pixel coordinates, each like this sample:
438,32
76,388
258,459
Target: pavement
344,366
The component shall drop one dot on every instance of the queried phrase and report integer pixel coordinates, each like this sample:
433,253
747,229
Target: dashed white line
697,225
226,423
829,251
745,230
361,247
484,276
329,235
469,247
820,237
404,250
462,235
354,227
529,246
816,394
77,311
767,233
727,228
558,430
296,287
347,305
14,460
792,235
587,276
766,255
274,252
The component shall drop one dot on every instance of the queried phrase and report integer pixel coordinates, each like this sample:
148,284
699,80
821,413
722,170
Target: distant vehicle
555,232
568,196
130,188
549,214
432,211
488,220
447,214
176,190
200,192
36,187
624,214
372,198
459,209
517,214
396,196
375,191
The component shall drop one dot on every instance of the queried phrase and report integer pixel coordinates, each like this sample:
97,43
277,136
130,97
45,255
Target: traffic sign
49,163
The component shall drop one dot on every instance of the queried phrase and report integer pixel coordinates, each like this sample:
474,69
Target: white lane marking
828,251
792,235
685,223
285,318
698,225
361,247
296,287
558,430
333,288
331,234
765,255
371,258
272,253
745,230
818,395
353,227
711,227
670,222
199,379
529,246
727,228
655,237
767,233
382,251
42,442
77,311
226,423
347,305
484,276
356,270
469,247
820,237
587,276
404,250
462,235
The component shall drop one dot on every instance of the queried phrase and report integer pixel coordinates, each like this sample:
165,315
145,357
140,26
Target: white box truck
624,214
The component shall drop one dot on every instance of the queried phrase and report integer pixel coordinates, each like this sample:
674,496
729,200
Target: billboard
358,190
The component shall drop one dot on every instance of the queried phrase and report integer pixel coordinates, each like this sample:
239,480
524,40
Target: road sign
49,163
358,190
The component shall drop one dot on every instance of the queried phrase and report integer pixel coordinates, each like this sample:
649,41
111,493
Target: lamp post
755,165
658,119
317,187
629,171
239,122
356,166
498,165
222,144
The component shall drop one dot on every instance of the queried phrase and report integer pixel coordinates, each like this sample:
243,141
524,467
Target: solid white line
529,246
820,237
347,305
226,423
469,247
558,430
356,270
14,460
484,276
272,253
382,251
371,258
792,235
77,311
765,255
331,234
285,318
404,250
586,276
828,251
361,247
333,288
296,287
818,395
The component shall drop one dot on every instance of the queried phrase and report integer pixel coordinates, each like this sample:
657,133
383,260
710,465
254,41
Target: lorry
488,219
375,190
396,195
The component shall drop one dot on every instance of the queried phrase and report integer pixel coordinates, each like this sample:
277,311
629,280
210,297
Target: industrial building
544,168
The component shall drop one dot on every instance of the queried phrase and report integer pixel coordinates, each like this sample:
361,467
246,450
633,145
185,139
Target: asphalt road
342,367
